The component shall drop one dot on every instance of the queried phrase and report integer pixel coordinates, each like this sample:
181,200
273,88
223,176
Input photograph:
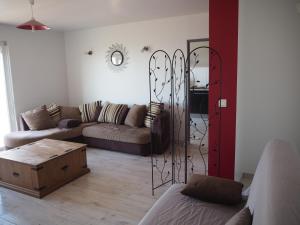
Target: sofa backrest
274,197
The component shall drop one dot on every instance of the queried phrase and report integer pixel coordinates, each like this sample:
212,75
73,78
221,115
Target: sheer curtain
7,111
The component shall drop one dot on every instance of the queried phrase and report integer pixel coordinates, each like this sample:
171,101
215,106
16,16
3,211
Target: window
7,109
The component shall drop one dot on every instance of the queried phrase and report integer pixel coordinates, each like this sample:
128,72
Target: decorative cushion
90,112
154,109
214,189
68,123
54,112
69,112
120,133
243,217
136,116
38,119
113,113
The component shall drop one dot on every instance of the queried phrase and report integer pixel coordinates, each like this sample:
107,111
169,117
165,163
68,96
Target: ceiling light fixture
33,24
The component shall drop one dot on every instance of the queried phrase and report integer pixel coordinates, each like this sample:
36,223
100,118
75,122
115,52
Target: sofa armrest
22,124
161,132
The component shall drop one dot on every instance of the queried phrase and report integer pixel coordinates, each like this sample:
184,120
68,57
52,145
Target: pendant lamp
33,24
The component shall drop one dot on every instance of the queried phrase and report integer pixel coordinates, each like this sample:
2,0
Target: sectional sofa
116,137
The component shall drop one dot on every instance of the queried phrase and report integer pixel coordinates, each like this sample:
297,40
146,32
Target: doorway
198,92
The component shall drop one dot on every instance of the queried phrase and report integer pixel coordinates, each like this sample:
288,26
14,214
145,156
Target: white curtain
7,107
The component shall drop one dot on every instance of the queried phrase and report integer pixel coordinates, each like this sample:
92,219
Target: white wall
268,98
89,77
38,66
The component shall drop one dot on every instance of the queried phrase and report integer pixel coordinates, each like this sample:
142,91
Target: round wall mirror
117,58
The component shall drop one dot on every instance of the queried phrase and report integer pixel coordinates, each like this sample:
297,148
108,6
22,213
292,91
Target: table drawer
16,173
60,169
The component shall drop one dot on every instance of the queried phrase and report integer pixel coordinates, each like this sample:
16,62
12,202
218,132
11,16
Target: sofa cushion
136,115
90,111
113,113
69,112
243,217
122,133
54,112
20,138
154,109
38,119
214,189
174,208
68,123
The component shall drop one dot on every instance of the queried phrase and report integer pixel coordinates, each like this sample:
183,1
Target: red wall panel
223,37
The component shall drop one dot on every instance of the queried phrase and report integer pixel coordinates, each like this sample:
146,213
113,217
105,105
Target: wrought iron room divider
169,84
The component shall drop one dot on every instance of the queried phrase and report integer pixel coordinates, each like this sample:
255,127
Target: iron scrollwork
169,84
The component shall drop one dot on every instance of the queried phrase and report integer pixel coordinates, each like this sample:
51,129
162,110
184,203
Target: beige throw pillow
69,112
38,119
136,116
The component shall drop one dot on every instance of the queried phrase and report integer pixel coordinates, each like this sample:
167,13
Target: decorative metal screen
160,90
169,83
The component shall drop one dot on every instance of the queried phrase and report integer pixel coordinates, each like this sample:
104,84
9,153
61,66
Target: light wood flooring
117,191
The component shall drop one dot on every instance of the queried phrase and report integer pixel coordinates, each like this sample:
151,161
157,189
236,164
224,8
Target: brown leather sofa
114,137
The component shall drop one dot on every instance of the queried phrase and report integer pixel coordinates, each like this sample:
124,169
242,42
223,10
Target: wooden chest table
41,167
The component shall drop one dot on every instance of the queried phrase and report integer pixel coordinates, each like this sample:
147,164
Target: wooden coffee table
41,167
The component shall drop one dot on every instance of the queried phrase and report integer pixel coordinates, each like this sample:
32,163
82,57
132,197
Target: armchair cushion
243,217
214,189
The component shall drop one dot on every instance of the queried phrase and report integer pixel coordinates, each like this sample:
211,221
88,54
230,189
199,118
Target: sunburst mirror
117,57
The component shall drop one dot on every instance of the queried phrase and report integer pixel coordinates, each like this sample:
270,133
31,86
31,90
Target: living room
96,65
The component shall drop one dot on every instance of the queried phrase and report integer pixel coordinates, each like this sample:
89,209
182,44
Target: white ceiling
78,14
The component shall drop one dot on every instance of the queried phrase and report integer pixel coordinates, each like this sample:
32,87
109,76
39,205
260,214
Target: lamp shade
33,25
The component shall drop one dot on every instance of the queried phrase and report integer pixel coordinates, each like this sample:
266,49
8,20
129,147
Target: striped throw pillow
54,111
154,110
90,111
113,113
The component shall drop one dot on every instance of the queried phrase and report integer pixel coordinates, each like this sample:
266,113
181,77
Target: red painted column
223,36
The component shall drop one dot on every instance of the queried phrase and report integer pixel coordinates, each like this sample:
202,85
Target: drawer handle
64,168
53,156
15,174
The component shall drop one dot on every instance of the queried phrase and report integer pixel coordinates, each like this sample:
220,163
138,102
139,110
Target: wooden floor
117,191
